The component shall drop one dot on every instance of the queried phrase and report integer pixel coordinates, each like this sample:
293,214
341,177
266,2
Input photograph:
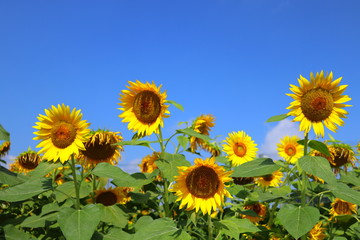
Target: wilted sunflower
26,161
240,148
61,132
111,196
317,102
99,148
290,149
259,209
143,106
4,148
340,155
201,186
243,180
271,180
341,207
202,125
317,232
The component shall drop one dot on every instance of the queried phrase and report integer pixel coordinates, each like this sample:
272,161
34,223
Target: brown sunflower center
202,182
290,150
242,180
147,107
99,151
239,149
106,198
341,157
341,207
268,178
317,104
29,160
63,134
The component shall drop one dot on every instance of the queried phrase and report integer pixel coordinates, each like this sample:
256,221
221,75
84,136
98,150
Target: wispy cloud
284,128
9,159
131,166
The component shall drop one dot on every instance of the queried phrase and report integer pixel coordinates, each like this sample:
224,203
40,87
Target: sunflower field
191,186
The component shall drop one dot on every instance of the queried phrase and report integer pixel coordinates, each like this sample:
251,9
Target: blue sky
234,59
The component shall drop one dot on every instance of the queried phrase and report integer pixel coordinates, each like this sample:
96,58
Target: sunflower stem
304,179
210,228
73,168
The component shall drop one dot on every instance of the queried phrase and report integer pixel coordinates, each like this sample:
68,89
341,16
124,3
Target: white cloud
130,166
8,159
284,128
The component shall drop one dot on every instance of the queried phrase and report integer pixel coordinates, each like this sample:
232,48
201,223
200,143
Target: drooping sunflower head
62,133
143,107
26,161
318,102
341,207
4,148
290,149
243,180
112,196
258,208
240,148
201,186
148,164
100,148
271,180
202,125
317,232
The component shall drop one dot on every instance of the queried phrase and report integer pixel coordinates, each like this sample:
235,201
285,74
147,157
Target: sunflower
272,180
62,133
148,164
290,149
111,196
201,186
341,207
143,106
26,162
317,232
243,180
100,148
318,102
240,148
202,125
4,148
259,209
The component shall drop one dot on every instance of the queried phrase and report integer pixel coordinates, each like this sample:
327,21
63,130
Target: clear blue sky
234,59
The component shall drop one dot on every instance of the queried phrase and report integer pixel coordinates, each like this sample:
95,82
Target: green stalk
304,180
166,183
77,187
210,228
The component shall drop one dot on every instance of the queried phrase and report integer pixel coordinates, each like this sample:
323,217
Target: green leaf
273,193
169,163
25,190
319,146
344,192
192,133
222,159
234,226
183,141
116,234
35,221
11,178
4,135
177,105
317,166
114,215
44,168
298,220
255,168
48,208
277,118
12,233
68,189
79,224
350,177
136,143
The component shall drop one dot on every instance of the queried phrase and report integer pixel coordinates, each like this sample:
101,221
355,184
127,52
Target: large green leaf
169,163
234,226
298,220
344,192
4,135
350,177
12,233
255,168
44,168
277,118
63,191
36,221
317,166
80,224
319,146
190,132
114,215
116,234
11,178
25,190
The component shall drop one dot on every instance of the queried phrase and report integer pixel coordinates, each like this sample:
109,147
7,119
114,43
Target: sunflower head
290,149
318,102
240,148
271,180
143,107
202,125
4,148
62,133
341,207
201,186
243,180
112,196
100,148
26,161
317,232
259,209
148,164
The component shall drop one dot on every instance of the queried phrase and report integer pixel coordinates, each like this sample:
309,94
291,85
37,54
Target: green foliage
169,163
277,118
255,168
232,227
177,105
317,166
4,135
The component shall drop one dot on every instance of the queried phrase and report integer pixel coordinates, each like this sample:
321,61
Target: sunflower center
202,182
239,149
341,157
242,180
290,150
147,107
106,198
29,160
98,151
317,104
341,207
268,178
63,134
